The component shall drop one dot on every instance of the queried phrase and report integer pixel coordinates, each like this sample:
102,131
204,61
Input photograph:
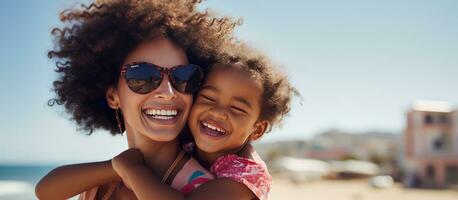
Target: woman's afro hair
94,41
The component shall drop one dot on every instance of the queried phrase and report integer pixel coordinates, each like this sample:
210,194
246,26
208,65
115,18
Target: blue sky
359,65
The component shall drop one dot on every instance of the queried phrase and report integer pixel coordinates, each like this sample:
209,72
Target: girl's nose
165,90
218,113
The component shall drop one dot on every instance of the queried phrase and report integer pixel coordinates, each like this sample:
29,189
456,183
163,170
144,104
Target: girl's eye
239,110
207,98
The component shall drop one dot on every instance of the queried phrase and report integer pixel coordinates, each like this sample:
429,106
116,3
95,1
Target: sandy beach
352,190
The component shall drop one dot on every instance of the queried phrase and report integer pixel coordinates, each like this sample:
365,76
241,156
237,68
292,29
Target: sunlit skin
230,101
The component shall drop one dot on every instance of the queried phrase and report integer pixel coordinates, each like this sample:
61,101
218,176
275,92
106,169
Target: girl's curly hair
96,39
277,90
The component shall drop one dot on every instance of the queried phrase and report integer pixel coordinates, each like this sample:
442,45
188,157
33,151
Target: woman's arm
146,185
70,180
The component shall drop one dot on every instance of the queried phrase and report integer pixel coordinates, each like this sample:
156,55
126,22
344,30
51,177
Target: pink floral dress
252,173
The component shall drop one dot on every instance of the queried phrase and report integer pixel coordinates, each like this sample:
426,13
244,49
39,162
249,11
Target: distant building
431,145
271,150
368,146
333,154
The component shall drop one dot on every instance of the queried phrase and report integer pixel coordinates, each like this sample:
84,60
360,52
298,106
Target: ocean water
18,182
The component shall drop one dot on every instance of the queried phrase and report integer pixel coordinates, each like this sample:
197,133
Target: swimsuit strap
172,166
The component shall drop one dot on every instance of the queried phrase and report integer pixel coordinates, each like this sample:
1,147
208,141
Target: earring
119,121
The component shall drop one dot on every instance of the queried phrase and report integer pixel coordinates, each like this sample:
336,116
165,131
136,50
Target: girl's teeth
212,127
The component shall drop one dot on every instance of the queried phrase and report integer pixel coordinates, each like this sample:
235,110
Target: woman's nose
165,90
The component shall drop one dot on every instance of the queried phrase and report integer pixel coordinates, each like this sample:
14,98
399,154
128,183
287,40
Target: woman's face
164,102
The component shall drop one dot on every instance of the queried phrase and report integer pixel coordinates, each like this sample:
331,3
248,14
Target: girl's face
225,113
164,101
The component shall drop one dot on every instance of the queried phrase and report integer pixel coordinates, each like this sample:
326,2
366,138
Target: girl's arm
221,188
69,180
146,185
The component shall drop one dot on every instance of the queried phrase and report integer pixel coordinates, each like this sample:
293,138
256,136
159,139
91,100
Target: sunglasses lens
187,78
143,78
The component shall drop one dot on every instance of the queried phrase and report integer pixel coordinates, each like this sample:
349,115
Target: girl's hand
125,162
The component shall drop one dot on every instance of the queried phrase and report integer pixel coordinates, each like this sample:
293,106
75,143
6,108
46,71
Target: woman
97,54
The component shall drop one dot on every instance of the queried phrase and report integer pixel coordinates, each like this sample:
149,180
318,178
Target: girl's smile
213,128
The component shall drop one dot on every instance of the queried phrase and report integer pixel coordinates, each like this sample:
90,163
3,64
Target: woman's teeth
213,127
161,114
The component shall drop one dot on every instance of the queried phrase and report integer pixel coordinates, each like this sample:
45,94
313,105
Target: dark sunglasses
144,77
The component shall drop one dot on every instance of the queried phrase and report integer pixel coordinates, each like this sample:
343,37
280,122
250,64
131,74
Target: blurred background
379,117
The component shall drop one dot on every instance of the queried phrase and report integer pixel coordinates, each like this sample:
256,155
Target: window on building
443,119
428,119
440,143
430,171
451,174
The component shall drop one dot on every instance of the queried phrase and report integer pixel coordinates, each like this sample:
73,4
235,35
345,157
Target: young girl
238,102
124,66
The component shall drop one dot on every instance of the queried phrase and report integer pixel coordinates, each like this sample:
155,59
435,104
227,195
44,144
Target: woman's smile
163,116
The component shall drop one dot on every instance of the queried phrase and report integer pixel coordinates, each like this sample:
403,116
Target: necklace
172,166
